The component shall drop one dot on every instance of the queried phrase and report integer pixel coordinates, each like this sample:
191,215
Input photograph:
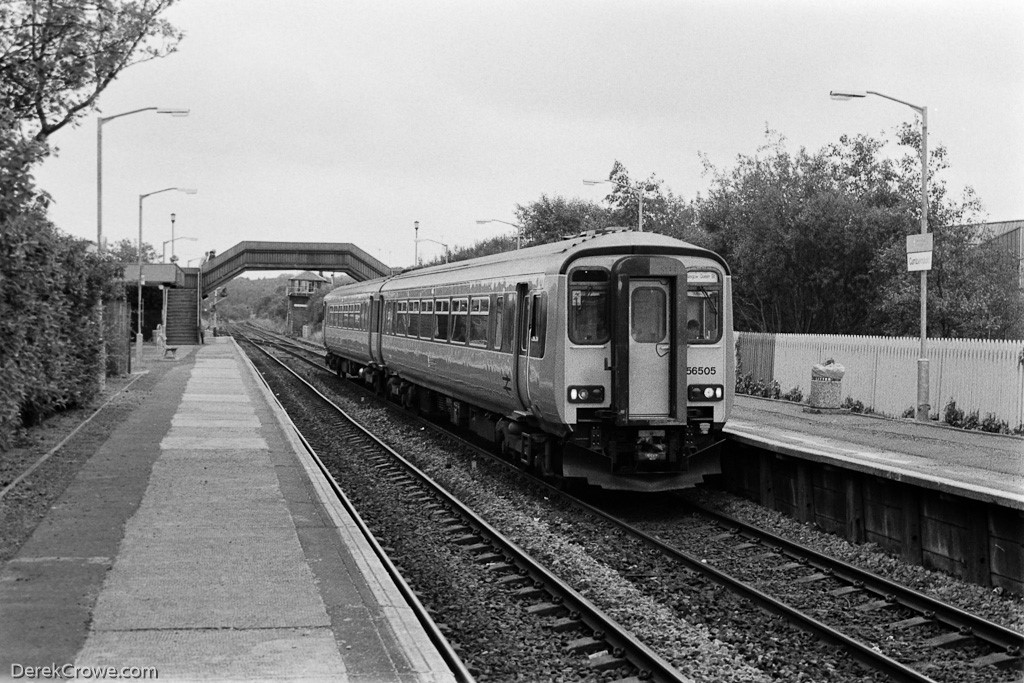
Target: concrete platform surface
973,464
198,542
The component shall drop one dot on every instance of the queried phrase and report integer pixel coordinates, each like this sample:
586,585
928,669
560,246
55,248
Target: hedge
49,285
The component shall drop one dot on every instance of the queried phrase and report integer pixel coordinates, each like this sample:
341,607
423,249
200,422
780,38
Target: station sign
919,252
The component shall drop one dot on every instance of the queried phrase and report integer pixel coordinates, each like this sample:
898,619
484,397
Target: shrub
854,406
994,425
795,395
952,415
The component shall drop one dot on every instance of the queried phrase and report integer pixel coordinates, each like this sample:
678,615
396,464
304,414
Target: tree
817,242
801,232
57,56
550,219
125,252
974,287
663,211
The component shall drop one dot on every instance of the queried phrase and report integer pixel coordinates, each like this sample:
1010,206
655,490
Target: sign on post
919,252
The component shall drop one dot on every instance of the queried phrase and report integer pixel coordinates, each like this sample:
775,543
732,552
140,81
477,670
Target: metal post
172,237
923,405
138,322
416,246
99,251
640,216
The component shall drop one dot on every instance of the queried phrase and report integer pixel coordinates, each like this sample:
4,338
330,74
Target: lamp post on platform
171,242
639,197
519,228
138,327
100,120
923,404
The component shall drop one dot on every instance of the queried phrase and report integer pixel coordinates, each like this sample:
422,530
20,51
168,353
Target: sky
330,121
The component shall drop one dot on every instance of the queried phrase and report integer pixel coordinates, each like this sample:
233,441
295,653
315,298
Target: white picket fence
881,372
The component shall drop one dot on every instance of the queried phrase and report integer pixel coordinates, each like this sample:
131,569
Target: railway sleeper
569,623
607,661
1001,660
514,580
587,645
544,609
534,593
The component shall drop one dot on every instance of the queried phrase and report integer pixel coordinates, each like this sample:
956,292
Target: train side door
521,346
376,309
650,325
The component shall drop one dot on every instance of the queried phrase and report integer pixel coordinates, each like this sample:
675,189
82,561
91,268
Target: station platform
971,464
196,543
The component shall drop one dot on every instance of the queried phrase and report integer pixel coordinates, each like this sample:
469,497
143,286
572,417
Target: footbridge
173,296
331,256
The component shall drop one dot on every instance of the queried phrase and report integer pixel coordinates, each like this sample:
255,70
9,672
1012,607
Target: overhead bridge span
331,256
173,296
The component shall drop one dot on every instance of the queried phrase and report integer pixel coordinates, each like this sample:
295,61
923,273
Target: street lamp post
640,202
519,228
171,242
442,244
923,405
100,120
138,325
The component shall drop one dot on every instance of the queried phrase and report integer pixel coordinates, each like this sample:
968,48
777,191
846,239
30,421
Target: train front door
650,325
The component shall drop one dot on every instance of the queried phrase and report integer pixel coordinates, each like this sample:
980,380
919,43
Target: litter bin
826,385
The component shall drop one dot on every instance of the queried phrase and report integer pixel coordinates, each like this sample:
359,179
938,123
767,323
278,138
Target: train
605,359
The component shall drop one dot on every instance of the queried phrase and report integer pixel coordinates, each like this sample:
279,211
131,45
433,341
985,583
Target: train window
441,320
389,317
509,322
538,318
703,307
589,296
499,314
479,310
414,318
460,310
402,321
648,323
426,318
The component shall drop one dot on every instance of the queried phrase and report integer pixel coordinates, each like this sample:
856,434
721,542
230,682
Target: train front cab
646,393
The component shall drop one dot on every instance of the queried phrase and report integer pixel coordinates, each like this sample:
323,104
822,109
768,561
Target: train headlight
705,392
589,394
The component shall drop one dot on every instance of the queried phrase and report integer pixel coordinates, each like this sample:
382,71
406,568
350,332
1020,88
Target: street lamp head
843,95
173,111
594,182
190,190
173,216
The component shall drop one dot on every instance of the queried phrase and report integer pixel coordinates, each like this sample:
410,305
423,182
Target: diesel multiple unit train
607,357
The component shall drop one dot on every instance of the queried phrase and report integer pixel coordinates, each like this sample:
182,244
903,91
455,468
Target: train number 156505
701,370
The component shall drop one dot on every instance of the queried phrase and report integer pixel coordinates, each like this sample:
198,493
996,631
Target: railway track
876,618
589,635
